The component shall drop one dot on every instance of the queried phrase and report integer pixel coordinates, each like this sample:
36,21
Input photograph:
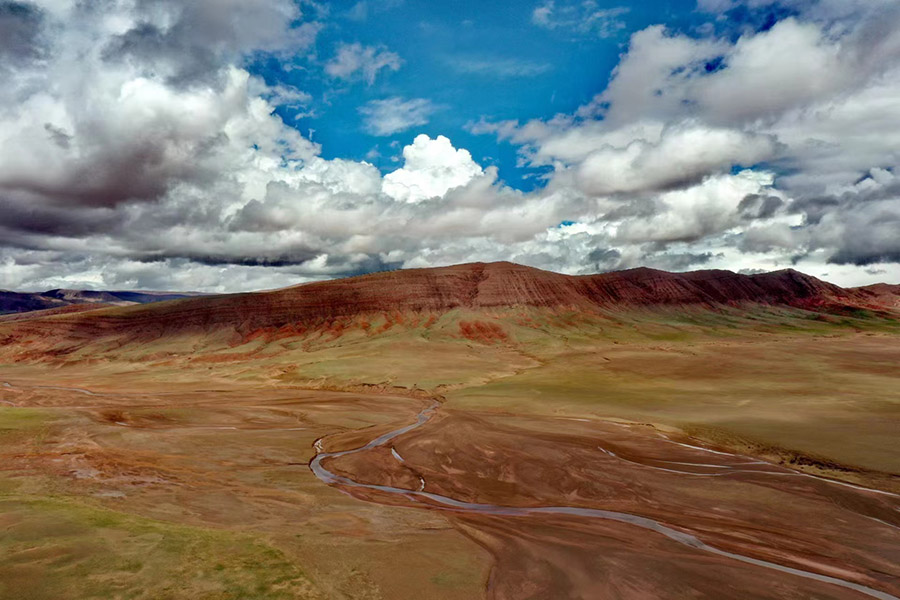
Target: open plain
481,431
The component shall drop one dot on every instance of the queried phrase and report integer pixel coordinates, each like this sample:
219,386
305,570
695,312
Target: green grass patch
58,549
17,424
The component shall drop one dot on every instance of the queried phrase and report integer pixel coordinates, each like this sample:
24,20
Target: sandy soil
735,503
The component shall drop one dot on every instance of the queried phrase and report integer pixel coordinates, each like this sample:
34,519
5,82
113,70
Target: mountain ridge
483,302
12,302
497,284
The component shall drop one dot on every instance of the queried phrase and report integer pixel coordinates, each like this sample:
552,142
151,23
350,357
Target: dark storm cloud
755,206
58,135
152,48
864,256
605,259
41,258
633,207
205,33
681,261
869,236
291,259
860,226
296,262
136,168
815,207
21,218
20,30
370,264
653,255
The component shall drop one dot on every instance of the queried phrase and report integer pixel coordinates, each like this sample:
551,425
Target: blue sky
226,145
471,60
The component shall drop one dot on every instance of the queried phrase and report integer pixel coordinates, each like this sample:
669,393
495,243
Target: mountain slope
475,286
16,302
651,287
882,294
431,328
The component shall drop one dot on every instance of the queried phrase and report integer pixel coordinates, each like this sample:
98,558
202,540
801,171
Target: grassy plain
836,399
205,495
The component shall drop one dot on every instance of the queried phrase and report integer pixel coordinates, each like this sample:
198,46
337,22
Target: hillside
475,286
882,294
501,304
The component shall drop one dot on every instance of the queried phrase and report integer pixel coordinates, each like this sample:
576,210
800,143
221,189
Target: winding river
447,503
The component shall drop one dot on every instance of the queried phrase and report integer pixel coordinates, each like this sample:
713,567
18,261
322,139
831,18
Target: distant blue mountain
19,302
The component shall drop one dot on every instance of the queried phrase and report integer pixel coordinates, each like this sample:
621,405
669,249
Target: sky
232,145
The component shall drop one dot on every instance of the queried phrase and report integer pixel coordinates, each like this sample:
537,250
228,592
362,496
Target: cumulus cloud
690,214
83,128
187,41
859,223
356,60
430,169
682,154
150,138
395,114
683,114
667,75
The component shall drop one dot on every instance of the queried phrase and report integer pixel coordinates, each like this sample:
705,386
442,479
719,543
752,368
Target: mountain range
485,302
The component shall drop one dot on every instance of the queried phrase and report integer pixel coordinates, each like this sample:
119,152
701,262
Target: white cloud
708,208
682,154
681,111
759,83
649,80
542,14
359,11
279,94
499,67
393,115
430,169
363,9
726,5
356,60
667,76
582,17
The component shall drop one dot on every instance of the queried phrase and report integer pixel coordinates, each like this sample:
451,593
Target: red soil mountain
437,290
882,294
